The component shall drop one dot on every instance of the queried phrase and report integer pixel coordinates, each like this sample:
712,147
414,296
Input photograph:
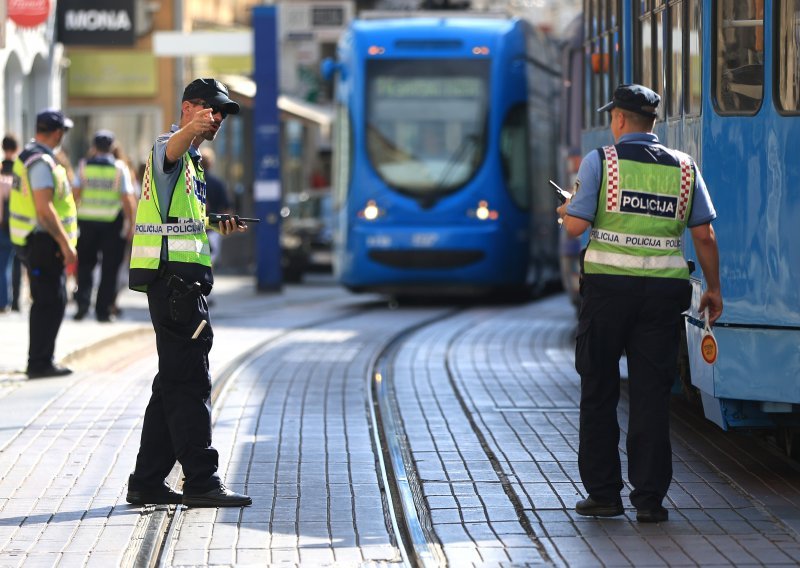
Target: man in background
8,259
106,207
44,228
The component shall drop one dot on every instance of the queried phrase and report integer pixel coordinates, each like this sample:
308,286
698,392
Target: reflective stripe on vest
625,240
182,227
639,226
186,237
22,208
100,197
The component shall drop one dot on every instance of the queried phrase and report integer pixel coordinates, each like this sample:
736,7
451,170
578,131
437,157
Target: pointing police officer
106,205
638,196
170,261
44,228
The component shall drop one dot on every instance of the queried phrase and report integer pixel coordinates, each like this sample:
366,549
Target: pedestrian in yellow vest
171,262
639,197
44,229
106,206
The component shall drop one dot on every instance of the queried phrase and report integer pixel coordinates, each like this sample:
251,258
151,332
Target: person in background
44,228
9,296
106,206
216,199
171,263
638,197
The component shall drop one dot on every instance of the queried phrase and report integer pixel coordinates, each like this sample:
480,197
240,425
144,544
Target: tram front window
426,122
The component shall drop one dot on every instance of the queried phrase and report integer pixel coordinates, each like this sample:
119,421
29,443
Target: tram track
409,517
159,522
156,530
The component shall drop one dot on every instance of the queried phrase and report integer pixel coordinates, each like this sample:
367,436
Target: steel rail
158,524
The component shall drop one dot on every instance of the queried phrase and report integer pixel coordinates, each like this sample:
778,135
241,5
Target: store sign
28,13
95,22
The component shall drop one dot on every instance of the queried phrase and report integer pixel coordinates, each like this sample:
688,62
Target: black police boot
590,507
218,497
162,495
46,372
656,514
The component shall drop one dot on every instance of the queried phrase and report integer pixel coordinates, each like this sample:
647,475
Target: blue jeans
6,256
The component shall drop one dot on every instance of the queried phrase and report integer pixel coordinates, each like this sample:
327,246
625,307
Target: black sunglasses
214,108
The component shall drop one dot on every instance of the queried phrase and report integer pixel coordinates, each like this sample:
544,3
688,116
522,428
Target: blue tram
443,145
729,75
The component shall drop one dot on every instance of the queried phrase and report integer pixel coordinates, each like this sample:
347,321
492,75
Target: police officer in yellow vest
170,261
44,229
638,197
106,204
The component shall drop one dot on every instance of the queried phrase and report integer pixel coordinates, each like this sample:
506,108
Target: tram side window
515,155
739,61
788,50
695,55
342,161
676,69
650,46
602,48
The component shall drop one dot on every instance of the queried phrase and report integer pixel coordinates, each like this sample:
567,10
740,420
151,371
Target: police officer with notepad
171,262
638,197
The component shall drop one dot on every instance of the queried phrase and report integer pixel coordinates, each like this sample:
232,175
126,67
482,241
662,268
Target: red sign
708,349
28,13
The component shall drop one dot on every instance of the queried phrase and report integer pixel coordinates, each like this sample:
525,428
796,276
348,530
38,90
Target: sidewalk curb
87,350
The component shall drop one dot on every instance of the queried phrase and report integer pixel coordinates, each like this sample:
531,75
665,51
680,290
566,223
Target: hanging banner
28,13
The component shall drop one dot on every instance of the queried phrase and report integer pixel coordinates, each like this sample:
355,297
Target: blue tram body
731,98
436,187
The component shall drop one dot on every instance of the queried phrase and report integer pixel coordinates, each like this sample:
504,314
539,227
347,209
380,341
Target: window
676,59
739,58
787,47
515,155
695,56
650,47
602,48
342,155
426,122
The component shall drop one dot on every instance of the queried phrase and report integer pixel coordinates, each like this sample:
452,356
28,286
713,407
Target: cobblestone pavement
296,422
68,444
495,403
488,401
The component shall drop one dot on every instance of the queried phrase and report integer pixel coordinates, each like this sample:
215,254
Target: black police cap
635,98
104,138
211,91
51,119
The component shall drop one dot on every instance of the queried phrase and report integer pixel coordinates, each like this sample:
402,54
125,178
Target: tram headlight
483,212
371,211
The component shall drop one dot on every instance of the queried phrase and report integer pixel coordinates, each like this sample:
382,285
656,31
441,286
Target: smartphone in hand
562,194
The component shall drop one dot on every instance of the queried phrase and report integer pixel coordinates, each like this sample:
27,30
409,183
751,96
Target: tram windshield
426,122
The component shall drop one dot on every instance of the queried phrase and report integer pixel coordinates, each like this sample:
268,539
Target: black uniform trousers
177,421
640,317
97,237
48,283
